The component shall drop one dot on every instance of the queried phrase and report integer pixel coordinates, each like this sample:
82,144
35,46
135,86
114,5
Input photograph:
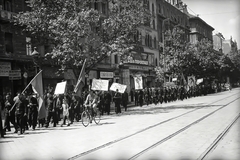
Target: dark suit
117,99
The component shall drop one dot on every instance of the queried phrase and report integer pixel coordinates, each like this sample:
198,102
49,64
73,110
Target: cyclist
92,102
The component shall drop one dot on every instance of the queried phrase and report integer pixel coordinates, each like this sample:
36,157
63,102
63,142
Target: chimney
185,9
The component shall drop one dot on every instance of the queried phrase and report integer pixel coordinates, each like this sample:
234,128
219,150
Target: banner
37,87
138,82
60,88
191,81
121,87
99,84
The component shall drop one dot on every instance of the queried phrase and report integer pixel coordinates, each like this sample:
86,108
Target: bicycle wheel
85,118
97,116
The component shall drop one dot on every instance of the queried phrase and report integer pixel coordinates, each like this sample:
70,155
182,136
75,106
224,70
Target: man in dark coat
125,100
107,102
51,110
20,113
33,111
9,116
117,99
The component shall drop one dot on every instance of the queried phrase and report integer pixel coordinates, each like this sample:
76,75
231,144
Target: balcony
7,16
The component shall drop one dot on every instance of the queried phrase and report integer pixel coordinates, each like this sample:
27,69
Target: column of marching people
64,110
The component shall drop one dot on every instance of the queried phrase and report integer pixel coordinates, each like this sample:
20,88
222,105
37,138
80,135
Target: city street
177,130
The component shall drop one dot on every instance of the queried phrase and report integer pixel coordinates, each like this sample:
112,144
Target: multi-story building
218,42
169,15
142,60
17,66
199,29
13,49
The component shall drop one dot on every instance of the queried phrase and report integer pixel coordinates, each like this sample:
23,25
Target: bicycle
87,116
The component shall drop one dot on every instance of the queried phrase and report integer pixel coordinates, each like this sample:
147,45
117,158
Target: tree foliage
199,59
77,31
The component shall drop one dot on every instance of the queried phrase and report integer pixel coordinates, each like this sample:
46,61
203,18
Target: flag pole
80,75
25,89
31,82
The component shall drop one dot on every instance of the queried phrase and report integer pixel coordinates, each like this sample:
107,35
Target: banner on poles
138,82
100,84
121,87
60,88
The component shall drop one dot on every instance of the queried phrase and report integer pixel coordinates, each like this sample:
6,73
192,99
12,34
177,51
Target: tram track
155,125
218,139
179,131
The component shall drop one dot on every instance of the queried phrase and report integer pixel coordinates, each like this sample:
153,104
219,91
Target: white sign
60,88
15,74
100,84
174,79
199,81
106,74
191,81
121,87
5,67
138,82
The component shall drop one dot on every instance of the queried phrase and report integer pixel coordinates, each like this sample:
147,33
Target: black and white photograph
119,80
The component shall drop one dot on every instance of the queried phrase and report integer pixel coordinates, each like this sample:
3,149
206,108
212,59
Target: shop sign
139,68
106,74
15,74
5,67
136,61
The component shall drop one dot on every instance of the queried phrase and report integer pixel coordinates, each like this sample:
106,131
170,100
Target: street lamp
35,54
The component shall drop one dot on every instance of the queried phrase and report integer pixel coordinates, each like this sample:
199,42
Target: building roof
192,17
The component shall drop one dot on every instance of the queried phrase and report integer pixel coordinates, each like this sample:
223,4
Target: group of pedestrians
168,94
22,110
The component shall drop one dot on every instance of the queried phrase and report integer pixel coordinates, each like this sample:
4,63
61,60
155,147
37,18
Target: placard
100,84
60,88
138,82
121,87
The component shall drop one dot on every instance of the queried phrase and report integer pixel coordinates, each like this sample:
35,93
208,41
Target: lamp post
35,54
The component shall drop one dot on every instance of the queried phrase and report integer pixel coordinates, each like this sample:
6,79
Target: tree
184,58
77,31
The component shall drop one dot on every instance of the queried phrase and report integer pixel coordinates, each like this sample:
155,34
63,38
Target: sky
222,15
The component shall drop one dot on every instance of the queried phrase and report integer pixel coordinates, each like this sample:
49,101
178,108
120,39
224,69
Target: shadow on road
167,109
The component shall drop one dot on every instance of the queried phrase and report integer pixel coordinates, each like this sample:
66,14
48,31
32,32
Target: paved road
79,141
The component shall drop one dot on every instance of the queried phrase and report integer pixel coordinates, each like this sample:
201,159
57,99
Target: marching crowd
22,111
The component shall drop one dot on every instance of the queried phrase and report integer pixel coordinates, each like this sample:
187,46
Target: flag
81,79
37,87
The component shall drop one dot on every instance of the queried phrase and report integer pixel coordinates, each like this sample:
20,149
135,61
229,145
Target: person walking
65,108
2,132
107,102
33,111
117,100
9,116
132,94
51,111
125,100
20,113
140,98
